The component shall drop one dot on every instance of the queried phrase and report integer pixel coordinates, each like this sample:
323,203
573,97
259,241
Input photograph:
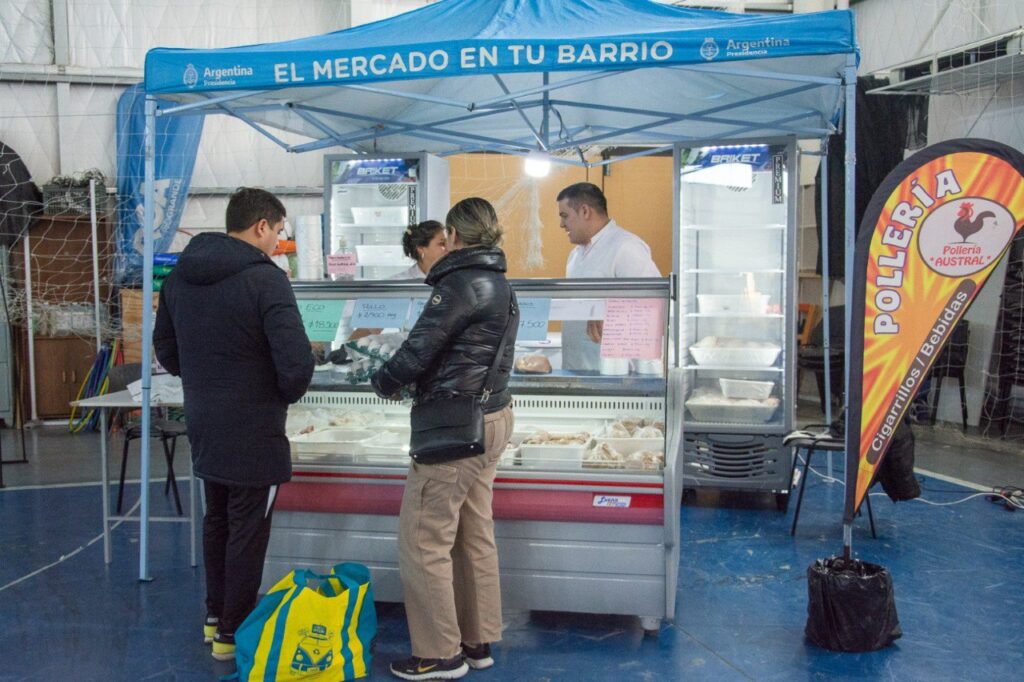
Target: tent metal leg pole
850,176
147,330
826,292
95,263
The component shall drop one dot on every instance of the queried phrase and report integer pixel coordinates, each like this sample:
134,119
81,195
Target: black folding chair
811,440
167,430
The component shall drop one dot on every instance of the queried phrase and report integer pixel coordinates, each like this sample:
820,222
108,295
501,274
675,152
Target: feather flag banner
933,233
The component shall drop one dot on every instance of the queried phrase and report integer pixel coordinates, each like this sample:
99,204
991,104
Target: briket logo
709,50
190,77
965,236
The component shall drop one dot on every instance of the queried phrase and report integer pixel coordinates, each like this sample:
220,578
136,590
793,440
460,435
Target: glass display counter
586,500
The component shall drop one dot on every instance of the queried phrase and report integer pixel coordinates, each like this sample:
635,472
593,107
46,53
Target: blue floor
958,574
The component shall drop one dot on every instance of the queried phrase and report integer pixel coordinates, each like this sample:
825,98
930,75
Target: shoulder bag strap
493,371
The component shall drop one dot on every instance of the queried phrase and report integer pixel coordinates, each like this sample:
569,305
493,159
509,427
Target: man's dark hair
585,193
249,205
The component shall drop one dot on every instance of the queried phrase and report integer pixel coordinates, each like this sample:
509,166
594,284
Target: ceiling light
537,164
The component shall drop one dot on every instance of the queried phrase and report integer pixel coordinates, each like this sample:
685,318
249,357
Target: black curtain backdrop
886,126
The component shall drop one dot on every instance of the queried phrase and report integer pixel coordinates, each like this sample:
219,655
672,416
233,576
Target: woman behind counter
447,555
425,243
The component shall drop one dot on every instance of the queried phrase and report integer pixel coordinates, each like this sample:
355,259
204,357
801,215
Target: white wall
892,32
68,128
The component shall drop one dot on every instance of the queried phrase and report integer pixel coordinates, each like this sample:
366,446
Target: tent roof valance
515,75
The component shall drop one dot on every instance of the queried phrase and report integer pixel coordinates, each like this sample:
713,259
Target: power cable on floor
65,557
1011,497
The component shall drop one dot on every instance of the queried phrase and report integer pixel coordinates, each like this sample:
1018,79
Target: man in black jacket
229,326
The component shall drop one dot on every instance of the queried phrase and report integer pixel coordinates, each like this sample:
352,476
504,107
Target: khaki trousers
446,551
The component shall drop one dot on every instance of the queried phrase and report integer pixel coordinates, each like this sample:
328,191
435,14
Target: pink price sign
341,264
633,328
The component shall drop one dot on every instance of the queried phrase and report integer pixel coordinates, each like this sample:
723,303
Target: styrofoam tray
712,406
329,441
389,442
743,388
726,356
553,456
381,215
626,447
756,304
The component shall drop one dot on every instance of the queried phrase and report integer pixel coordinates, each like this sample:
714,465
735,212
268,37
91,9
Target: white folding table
119,400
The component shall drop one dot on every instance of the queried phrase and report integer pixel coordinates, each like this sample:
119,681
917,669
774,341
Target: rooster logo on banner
964,225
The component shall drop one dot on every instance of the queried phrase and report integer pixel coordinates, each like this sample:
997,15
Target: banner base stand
851,606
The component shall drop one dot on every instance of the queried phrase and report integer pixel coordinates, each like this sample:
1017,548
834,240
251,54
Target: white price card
379,313
533,319
321,318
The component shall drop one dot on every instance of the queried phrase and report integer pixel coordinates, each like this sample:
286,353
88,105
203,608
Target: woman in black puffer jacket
446,550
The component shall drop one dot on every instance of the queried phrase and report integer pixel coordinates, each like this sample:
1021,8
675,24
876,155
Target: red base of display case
514,499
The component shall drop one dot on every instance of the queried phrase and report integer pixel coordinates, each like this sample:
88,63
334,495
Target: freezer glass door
734,217
371,202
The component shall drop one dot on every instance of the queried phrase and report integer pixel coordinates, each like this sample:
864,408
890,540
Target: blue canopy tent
517,76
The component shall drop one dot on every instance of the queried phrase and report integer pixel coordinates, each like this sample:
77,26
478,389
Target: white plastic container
552,456
614,367
625,447
387,445
728,352
381,215
743,388
756,304
331,441
711,406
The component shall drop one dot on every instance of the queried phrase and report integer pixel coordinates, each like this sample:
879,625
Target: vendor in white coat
425,244
603,250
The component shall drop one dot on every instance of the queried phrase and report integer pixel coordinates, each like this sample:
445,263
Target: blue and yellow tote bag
305,632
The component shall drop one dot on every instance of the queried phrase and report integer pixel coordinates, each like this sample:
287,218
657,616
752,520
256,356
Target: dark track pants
236,530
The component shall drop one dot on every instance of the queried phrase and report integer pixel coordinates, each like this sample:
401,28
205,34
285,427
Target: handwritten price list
633,328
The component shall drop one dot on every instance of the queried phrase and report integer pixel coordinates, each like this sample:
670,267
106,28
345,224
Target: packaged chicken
533,364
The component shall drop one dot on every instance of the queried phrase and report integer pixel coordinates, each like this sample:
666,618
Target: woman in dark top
447,555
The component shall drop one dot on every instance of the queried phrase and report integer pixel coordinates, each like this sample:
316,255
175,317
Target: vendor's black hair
419,235
585,193
249,205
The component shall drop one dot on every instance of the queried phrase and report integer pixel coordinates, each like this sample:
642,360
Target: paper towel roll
309,247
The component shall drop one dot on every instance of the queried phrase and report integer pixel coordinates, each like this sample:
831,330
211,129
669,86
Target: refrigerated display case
737,328
370,200
586,500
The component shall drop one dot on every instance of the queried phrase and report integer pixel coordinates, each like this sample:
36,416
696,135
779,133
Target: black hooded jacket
453,344
228,325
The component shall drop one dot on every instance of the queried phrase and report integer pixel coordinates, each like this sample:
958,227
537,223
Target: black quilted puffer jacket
453,344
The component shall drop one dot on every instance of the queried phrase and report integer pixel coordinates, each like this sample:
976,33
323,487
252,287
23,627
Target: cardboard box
131,323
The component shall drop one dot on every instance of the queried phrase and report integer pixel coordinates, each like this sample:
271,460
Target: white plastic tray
708,406
389,442
735,353
554,456
756,304
328,442
380,215
626,447
743,388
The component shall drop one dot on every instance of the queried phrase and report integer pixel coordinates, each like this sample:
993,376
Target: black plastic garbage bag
850,605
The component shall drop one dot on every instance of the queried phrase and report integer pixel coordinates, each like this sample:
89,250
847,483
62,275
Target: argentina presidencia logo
190,77
709,50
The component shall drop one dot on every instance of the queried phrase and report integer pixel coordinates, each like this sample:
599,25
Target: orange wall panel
639,193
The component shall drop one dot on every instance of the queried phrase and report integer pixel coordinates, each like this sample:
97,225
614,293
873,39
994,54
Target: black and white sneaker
416,668
478,656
